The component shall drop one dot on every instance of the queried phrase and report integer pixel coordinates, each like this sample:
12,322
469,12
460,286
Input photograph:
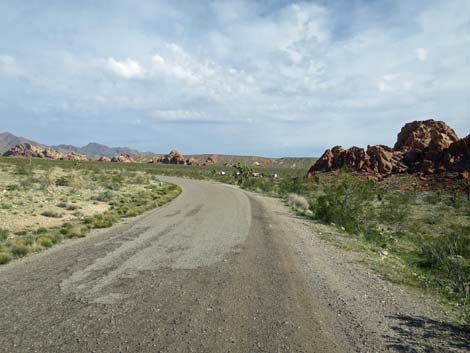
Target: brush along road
216,270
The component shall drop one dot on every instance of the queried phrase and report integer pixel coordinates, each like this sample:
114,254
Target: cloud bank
274,78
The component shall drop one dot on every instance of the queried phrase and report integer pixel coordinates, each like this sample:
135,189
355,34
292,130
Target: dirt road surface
216,270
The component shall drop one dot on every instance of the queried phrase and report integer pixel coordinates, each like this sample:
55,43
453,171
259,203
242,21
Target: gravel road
216,270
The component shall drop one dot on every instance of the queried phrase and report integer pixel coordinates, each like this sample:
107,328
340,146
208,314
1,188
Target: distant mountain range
8,140
94,149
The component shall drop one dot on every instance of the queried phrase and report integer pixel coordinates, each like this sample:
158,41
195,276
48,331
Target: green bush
3,234
19,249
64,181
4,258
448,257
104,220
346,204
45,241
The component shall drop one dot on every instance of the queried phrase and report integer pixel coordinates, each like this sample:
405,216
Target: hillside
94,149
8,140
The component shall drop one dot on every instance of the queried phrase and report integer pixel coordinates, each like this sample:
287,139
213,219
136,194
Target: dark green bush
346,204
64,181
3,234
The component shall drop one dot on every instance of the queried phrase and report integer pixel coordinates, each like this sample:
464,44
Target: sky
273,78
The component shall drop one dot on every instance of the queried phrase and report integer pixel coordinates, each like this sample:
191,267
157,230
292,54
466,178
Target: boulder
426,135
212,159
174,157
122,158
192,161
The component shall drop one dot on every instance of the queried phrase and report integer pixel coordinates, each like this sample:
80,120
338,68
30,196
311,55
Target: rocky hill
94,149
8,140
28,150
426,147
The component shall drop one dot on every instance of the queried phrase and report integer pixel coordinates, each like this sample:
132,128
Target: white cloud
422,54
9,67
127,68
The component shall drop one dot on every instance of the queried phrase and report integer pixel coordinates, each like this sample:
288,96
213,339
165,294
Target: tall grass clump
298,202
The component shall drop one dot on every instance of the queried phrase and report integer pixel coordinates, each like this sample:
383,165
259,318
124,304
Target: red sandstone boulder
427,135
122,158
212,159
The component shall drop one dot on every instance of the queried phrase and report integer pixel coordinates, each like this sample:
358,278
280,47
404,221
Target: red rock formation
122,158
425,147
459,155
427,135
103,159
192,161
212,159
174,157
27,150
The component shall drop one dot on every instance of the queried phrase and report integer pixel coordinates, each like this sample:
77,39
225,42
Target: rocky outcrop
123,158
427,135
192,161
174,157
423,147
27,150
212,159
103,159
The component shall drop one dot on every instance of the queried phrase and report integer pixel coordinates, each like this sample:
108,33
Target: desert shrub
105,196
102,220
3,234
346,204
41,230
12,187
395,209
45,241
63,181
4,258
448,256
19,249
294,185
51,214
377,238
298,202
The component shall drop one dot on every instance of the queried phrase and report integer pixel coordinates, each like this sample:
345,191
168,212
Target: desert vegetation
44,202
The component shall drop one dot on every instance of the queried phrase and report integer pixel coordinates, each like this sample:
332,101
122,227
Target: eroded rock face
459,155
424,147
27,150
